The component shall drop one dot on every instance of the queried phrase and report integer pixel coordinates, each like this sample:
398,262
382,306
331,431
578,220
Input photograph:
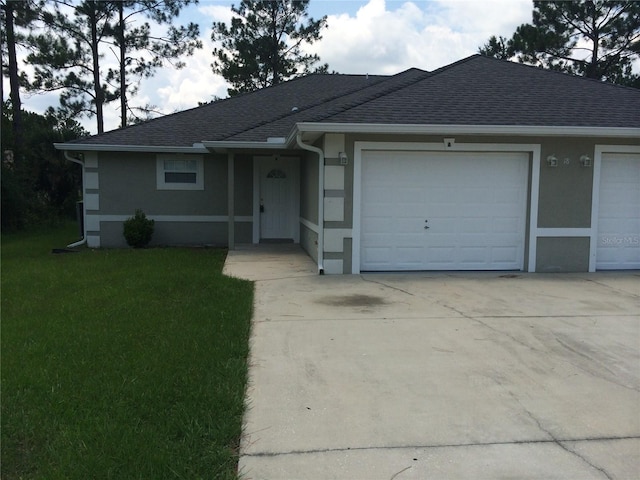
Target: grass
120,363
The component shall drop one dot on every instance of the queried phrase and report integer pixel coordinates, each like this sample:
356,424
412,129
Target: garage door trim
360,147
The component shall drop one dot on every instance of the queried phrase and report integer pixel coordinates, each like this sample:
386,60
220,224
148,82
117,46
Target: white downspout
320,153
84,220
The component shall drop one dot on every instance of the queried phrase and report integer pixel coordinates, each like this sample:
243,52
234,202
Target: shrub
138,230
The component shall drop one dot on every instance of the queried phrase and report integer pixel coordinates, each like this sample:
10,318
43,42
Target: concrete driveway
439,376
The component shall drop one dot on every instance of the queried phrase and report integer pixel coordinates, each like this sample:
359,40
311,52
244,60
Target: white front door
443,211
618,244
278,198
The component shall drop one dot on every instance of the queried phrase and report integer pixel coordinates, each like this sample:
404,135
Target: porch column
230,200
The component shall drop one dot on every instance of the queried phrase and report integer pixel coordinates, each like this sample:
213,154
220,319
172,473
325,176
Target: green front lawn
120,364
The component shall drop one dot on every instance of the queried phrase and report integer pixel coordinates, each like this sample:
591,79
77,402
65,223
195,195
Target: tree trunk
123,59
592,68
14,79
275,54
97,86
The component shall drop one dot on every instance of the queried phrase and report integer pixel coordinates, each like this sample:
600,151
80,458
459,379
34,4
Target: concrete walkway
439,376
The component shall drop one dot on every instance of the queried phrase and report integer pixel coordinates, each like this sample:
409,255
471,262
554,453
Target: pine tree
141,53
15,14
262,46
70,55
596,39
67,57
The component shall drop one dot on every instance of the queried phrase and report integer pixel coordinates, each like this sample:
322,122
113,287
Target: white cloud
195,83
387,37
174,90
216,13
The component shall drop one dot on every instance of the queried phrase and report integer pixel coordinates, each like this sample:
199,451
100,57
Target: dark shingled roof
474,91
486,91
224,118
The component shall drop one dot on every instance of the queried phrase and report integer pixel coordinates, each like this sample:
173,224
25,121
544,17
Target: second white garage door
618,244
443,211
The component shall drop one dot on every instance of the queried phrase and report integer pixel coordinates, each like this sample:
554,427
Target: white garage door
443,211
619,212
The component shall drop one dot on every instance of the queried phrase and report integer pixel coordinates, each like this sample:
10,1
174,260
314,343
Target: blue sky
363,36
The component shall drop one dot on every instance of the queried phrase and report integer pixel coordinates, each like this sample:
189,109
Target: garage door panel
443,256
409,255
504,255
507,196
618,242
473,255
506,225
472,203
475,225
377,225
378,255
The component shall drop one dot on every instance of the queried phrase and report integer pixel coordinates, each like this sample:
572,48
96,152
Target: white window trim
160,171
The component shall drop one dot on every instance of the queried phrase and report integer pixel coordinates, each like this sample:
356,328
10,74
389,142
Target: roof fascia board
231,145
80,147
524,130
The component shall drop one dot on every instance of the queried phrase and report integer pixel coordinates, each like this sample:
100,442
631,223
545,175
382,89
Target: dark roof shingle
485,91
473,91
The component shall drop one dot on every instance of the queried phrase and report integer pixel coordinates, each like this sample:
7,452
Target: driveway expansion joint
387,286
550,440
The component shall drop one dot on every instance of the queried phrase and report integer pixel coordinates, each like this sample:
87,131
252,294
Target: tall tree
67,57
15,14
82,39
141,52
262,46
596,39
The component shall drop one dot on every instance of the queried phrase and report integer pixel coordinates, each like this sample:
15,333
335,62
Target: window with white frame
179,172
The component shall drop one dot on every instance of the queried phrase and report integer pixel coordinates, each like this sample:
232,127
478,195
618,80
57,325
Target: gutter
84,223
320,153
93,147
222,146
433,129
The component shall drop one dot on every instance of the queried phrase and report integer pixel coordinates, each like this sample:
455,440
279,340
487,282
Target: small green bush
138,230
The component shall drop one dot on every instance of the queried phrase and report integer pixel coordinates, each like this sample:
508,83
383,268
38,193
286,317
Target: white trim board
178,218
563,232
533,149
310,225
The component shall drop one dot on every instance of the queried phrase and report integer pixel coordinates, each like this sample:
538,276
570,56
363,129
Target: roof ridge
423,76
385,78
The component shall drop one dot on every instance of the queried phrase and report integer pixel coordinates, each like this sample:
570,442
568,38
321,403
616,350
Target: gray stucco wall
171,233
309,187
243,193
309,202
128,181
562,254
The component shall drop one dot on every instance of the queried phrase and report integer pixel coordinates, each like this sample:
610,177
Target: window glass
181,165
180,172
180,177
